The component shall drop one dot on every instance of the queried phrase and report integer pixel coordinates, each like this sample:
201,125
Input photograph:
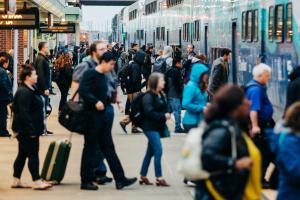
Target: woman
93,90
287,150
5,94
28,123
64,78
194,97
227,152
155,115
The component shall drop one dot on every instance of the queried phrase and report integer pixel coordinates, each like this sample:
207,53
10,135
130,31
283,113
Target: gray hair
168,51
261,68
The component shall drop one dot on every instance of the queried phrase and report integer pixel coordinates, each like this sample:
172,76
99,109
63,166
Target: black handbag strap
74,95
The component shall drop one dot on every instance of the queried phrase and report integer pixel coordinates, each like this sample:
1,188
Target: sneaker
135,130
180,130
103,180
125,183
123,126
49,132
41,185
89,186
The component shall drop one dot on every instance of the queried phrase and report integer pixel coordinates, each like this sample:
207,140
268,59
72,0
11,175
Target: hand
120,107
255,131
243,163
168,116
99,106
46,93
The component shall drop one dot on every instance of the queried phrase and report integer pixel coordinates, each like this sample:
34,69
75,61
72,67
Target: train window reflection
162,31
271,23
289,22
249,26
197,30
186,32
158,33
279,23
255,36
244,22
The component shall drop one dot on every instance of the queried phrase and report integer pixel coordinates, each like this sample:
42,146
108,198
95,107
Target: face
45,49
265,77
108,66
151,50
161,84
179,64
190,48
101,49
109,46
5,65
227,58
71,55
136,47
204,78
33,78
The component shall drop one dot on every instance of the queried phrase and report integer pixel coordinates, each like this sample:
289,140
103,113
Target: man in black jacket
293,92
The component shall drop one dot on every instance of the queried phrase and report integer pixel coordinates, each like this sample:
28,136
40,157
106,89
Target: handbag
74,116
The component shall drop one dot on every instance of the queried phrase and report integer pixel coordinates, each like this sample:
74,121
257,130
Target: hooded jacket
194,100
293,92
135,72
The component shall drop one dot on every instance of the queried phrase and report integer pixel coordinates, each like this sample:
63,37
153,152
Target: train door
167,37
145,38
154,38
206,39
234,53
180,38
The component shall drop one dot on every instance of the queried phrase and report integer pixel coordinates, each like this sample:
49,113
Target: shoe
49,132
135,130
125,183
41,185
161,183
103,180
145,180
52,93
18,184
89,186
180,130
123,126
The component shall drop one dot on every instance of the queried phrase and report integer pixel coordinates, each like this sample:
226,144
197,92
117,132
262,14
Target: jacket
154,110
174,82
5,87
218,76
293,91
135,72
194,100
43,71
28,108
286,145
217,157
147,67
65,75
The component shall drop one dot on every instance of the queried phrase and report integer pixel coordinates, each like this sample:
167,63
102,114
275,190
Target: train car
255,30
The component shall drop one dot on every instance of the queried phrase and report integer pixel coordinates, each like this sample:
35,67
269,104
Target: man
42,66
219,72
293,92
174,92
97,49
131,52
149,61
187,62
261,112
135,75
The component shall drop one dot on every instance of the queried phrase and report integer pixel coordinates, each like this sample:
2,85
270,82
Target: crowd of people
239,140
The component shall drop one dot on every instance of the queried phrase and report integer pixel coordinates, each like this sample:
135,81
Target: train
255,30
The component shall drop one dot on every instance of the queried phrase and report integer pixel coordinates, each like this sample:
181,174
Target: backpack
136,114
124,77
160,65
190,163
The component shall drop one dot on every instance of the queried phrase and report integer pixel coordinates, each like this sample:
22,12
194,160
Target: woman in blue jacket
195,96
286,146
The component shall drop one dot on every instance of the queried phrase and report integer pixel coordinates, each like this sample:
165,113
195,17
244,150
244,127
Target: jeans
28,148
154,149
99,133
175,106
3,118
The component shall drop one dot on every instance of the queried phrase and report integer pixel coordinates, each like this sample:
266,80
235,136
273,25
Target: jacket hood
167,51
295,74
198,70
140,57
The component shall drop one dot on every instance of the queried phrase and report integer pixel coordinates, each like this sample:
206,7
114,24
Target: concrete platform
130,148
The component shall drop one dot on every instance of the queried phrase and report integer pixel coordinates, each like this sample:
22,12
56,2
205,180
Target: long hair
292,117
153,81
225,101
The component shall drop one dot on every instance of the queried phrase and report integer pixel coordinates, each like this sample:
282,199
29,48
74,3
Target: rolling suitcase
56,160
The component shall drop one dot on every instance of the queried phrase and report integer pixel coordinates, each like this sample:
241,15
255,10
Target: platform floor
130,148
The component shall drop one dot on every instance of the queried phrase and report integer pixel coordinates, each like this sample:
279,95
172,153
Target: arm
148,105
187,101
3,83
85,87
41,71
254,95
216,78
291,95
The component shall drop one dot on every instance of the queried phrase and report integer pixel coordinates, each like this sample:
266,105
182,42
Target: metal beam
107,3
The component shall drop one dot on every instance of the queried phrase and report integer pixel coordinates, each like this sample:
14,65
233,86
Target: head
226,54
135,46
143,48
190,48
156,82
160,52
4,61
292,117
107,62
43,48
70,54
97,49
229,102
150,49
177,62
109,47
168,51
198,73
202,58
28,75
261,73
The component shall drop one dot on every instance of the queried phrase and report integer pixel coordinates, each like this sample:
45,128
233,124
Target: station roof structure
107,2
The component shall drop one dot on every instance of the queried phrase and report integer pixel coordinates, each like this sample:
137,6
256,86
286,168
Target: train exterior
255,30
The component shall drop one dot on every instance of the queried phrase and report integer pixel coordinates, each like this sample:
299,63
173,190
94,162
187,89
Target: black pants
64,94
28,148
99,132
3,118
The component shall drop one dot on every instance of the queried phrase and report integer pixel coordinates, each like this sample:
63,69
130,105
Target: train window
186,31
249,26
162,32
140,34
171,3
271,23
279,23
244,22
255,33
133,14
197,30
289,22
151,8
158,33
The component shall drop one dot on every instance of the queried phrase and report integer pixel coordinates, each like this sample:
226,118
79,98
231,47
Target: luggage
56,160
136,114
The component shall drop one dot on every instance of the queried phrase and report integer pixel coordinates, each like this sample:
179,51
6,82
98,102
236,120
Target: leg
177,113
154,140
20,160
147,160
99,165
33,158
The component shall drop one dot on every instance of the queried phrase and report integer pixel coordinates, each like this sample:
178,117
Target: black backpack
136,110
160,65
124,77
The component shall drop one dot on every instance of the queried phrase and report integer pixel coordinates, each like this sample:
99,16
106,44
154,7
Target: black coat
293,92
43,71
135,72
174,82
65,75
219,75
5,87
28,108
154,110
216,157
